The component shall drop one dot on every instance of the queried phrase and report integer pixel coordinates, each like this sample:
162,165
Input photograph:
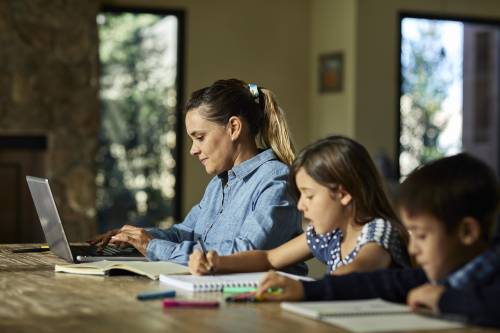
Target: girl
240,135
352,224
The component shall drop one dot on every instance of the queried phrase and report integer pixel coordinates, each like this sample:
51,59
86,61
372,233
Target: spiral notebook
219,282
318,310
370,315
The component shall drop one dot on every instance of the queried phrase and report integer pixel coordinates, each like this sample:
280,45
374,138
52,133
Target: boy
449,207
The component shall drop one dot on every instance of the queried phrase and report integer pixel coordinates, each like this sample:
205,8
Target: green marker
235,290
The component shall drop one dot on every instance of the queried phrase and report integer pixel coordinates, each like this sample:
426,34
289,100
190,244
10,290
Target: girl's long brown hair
339,161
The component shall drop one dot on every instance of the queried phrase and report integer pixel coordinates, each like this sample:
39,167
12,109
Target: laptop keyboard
106,251
113,250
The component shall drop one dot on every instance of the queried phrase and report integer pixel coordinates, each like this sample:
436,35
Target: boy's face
437,250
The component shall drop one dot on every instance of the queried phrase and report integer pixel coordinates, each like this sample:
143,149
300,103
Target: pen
150,295
189,304
204,249
202,245
42,248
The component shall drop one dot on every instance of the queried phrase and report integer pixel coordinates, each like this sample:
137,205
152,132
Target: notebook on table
56,237
371,315
150,269
209,283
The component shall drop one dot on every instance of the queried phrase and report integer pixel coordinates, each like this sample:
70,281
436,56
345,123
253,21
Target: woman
240,135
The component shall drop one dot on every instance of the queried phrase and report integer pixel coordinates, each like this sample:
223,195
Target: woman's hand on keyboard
137,237
103,239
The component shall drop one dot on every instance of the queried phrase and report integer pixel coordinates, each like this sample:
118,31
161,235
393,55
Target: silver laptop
54,232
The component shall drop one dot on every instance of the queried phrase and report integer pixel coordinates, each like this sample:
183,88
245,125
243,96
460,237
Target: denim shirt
253,210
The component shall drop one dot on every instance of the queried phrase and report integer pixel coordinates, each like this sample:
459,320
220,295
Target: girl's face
212,143
326,210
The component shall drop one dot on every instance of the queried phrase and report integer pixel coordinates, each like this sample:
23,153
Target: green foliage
137,137
425,87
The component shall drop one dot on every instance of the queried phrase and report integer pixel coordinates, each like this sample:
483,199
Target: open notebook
372,315
150,269
219,282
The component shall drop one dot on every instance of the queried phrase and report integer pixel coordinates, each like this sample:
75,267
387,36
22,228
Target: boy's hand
426,296
291,290
200,264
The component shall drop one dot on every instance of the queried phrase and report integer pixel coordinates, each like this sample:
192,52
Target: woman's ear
234,127
469,231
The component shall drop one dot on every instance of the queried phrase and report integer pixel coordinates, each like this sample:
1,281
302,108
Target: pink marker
168,303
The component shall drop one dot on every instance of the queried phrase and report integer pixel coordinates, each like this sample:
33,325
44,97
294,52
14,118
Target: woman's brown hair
259,108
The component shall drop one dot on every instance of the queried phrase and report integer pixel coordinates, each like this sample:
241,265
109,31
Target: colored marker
151,295
242,298
251,296
238,290
189,304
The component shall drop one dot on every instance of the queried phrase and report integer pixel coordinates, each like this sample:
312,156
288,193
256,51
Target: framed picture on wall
331,72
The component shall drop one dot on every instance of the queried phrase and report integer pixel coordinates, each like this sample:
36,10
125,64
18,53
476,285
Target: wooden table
35,299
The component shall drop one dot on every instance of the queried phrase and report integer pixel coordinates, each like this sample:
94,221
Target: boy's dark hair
451,189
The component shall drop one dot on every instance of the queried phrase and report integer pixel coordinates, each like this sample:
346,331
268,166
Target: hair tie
254,91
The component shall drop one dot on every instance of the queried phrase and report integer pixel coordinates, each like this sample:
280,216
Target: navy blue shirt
476,301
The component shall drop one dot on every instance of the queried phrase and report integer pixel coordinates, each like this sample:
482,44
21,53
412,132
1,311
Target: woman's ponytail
258,106
275,132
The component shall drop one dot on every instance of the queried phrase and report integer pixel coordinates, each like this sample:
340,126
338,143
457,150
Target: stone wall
49,85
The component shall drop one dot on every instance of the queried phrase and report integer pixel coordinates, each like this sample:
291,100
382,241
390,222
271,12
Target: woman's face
212,143
324,209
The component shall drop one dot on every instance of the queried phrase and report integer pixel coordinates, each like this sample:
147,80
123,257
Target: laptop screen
49,217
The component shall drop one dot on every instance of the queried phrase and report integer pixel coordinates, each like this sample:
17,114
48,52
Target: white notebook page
391,322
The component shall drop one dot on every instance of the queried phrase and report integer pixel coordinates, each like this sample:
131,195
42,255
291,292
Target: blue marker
150,295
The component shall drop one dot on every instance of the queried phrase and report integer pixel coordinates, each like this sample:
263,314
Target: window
449,100
138,158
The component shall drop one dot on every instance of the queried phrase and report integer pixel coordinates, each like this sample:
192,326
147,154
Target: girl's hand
425,297
137,237
289,289
200,264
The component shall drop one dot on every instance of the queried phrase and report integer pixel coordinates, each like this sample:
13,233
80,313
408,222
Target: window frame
429,16
179,84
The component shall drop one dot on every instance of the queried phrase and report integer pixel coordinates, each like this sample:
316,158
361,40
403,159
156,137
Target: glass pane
449,99
431,100
137,140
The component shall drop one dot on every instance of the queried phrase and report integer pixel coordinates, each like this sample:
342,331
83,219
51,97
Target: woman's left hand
137,237
425,297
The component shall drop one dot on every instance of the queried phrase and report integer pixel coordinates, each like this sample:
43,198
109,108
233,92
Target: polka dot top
326,247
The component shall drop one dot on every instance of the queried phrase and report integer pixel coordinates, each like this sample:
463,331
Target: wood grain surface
36,299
